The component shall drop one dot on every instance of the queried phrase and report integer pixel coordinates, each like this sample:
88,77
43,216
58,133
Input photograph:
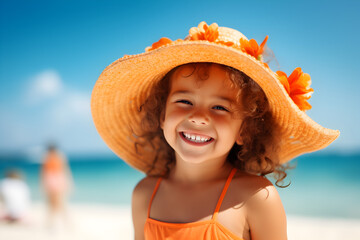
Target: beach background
51,54
322,201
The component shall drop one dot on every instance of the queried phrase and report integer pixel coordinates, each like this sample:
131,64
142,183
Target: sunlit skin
201,123
205,109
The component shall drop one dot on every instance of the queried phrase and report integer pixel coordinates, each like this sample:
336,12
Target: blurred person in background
56,181
15,197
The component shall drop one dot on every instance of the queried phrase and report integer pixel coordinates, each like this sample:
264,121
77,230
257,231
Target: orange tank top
53,163
206,230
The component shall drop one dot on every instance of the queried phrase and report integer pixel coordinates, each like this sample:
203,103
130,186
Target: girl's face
201,121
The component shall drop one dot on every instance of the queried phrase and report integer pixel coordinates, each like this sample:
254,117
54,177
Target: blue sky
52,52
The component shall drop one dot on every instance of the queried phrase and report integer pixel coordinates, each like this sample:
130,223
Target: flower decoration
297,86
205,32
202,32
252,48
229,44
211,34
161,42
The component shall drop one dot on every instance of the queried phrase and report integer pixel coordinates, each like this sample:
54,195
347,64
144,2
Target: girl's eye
184,102
220,108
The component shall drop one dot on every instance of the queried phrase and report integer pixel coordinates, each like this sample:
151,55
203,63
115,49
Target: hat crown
230,35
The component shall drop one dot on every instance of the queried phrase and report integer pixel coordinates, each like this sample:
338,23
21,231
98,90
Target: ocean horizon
321,184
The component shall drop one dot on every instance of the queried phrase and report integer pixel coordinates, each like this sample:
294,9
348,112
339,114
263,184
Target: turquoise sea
322,185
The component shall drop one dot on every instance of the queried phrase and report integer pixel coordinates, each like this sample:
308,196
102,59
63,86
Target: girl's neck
192,173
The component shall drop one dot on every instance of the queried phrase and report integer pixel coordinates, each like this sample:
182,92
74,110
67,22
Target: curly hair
257,153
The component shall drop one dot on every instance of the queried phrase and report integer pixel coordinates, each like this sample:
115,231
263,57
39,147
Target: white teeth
195,138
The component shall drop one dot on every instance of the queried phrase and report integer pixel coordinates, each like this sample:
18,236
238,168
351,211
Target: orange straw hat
124,86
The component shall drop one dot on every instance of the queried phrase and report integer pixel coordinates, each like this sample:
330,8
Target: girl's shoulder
145,187
254,190
250,183
262,202
140,201
143,192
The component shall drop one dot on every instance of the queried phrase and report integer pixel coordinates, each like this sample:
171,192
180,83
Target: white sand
112,222
300,228
84,222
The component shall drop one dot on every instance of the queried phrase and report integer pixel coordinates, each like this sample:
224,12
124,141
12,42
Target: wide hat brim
125,84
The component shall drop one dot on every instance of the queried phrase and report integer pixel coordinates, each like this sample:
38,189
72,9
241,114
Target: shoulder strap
228,181
153,195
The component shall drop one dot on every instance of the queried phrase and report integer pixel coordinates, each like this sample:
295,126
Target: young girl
206,119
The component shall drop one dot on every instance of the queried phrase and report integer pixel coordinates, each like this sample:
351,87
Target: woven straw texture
124,85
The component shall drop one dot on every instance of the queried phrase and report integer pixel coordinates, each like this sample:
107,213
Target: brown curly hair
256,155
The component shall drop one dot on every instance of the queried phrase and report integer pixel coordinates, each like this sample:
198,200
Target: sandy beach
90,222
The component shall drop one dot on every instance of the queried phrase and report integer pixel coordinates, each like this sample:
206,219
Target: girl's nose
199,118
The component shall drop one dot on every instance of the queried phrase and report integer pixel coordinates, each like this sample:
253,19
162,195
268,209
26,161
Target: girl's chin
193,161
197,158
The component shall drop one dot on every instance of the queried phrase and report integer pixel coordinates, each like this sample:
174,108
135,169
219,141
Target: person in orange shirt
56,182
206,119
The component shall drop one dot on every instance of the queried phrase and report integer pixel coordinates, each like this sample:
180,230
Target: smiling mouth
194,138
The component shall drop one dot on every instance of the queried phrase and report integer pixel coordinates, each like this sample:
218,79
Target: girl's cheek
177,111
221,117
171,115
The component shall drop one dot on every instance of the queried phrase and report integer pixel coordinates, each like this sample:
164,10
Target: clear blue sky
51,53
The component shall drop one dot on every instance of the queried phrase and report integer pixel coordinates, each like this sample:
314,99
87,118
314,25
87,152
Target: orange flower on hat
229,44
297,86
161,42
252,48
204,32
